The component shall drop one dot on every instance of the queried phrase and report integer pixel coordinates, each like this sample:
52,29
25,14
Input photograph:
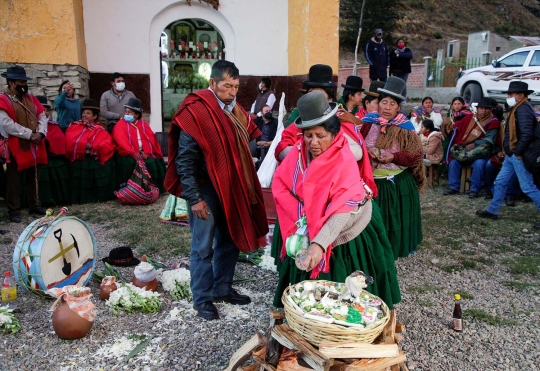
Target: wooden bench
466,172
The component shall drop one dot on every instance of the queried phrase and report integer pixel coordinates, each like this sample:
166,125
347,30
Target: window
497,48
535,60
450,50
514,60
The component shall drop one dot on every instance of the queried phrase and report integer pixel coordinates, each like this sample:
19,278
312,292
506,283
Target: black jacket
191,167
400,63
525,124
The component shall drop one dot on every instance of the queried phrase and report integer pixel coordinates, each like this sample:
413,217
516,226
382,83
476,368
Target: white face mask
120,86
511,101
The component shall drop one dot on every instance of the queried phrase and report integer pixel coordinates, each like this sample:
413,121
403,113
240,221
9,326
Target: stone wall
48,77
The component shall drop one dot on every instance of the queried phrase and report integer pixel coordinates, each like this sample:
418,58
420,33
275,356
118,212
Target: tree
377,14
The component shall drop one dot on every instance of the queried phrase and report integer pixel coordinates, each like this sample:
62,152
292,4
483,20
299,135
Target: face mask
268,115
21,89
260,86
378,37
400,45
129,118
511,101
120,86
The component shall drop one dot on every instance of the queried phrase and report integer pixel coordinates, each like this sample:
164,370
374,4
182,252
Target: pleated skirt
399,203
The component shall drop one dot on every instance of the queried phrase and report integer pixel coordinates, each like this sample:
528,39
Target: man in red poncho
211,167
24,123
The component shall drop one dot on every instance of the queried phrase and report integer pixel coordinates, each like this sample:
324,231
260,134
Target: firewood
398,337
242,354
275,314
390,329
358,350
290,339
400,328
376,364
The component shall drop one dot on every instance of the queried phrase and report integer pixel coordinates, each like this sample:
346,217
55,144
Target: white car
490,81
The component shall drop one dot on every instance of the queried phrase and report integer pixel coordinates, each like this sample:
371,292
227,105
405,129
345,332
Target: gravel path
190,343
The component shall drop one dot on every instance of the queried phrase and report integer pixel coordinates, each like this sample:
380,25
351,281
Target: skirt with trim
399,203
126,164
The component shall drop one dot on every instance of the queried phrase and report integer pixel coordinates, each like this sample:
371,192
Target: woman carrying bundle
89,148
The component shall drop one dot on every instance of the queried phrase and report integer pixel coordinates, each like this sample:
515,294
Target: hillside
429,24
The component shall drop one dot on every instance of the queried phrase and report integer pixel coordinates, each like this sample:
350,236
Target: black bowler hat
43,101
90,104
486,103
353,83
134,104
121,256
518,87
16,73
320,76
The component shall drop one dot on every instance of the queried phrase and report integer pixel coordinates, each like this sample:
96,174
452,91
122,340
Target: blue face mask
129,118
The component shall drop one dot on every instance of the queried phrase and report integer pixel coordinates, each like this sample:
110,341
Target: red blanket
331,184
56,139
203,119
36,154
127,142
80,133
292,134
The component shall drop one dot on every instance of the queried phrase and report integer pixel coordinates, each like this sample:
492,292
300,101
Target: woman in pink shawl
319,182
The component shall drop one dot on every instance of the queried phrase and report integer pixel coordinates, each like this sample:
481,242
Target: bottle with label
9,289
458,315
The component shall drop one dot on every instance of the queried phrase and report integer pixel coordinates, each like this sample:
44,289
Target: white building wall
123,35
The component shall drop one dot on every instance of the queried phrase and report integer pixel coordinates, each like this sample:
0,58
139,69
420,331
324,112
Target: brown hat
373,88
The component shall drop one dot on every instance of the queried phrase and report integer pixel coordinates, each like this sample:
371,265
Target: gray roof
527,40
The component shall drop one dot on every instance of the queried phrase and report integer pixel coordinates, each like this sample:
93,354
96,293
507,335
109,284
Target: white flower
4,319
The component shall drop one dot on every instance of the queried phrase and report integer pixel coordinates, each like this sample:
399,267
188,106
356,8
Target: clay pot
105,291
149,286
68,325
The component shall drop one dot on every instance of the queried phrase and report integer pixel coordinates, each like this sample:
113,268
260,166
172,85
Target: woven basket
317,332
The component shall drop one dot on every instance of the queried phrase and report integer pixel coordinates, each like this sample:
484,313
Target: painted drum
54,254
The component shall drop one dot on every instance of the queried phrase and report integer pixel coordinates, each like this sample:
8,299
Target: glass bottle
458,315
9,289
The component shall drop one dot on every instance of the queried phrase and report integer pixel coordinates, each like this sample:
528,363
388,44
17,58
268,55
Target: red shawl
37,154
292,134
56,139
127,142
79,133
203,119
329,185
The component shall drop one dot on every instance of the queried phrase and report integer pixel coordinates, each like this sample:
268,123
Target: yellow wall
42,31
313,34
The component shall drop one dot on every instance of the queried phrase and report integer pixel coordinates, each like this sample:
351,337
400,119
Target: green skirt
126,164
399,203
54,181
369,252
92,182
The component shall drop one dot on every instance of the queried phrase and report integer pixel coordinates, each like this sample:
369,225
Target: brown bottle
458,315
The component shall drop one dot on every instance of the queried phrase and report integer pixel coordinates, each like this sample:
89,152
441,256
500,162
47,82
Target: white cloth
269,164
